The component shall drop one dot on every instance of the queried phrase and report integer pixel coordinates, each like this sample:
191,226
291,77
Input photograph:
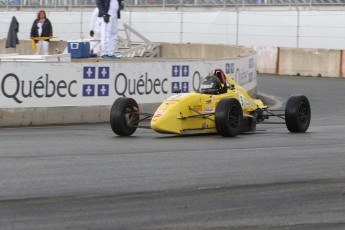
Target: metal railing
164,3
47,3
231,3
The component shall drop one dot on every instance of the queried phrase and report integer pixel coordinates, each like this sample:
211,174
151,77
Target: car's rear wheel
228,117
124,117
297,114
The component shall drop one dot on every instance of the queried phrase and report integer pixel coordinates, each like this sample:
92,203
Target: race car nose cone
166,122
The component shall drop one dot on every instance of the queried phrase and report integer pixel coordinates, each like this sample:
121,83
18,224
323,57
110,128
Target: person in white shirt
95,32
109,10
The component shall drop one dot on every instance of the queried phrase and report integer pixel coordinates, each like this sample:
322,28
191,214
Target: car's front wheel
124,116
297,114
228,117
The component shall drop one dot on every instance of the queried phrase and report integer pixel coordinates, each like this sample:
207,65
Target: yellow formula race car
221,106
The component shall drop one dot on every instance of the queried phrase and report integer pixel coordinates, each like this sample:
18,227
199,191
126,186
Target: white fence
284,28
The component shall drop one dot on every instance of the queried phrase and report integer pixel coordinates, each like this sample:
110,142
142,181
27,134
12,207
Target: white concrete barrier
267,59
37,93
302,62
309,62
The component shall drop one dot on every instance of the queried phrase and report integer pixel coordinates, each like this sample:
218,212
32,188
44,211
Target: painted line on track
274,102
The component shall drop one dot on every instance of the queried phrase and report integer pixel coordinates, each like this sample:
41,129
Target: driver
222,78
211,85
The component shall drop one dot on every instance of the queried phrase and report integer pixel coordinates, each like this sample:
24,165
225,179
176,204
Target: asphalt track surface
85,177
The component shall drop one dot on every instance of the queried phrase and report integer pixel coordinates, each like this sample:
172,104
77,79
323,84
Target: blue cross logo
89,72
185,71
103,72
251,77
227,68
175,71
185,87
103,90
174,86
88,90
251,63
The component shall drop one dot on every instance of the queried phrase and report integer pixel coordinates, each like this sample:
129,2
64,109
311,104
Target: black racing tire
228,117
297,114
122,115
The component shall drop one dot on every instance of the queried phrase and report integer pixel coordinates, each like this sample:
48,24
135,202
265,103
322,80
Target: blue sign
251,77
185,71
185,87
174,86
103,72
175,71
103,90
251,63
227,68
88,90
89,72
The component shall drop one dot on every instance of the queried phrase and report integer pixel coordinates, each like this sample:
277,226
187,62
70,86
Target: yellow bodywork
194,112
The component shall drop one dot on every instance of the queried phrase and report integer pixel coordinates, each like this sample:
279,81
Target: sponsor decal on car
241,97
209,109
165,105
249,103
158,113
197,108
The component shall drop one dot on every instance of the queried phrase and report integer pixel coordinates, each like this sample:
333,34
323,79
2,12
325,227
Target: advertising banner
32,84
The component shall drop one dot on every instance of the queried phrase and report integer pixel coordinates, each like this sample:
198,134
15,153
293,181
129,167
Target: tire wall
82,91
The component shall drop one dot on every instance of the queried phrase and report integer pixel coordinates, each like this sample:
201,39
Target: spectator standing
41,32
109,10
95,32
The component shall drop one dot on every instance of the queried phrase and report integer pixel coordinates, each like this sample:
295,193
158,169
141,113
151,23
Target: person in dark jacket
41,32
12,36
109,11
